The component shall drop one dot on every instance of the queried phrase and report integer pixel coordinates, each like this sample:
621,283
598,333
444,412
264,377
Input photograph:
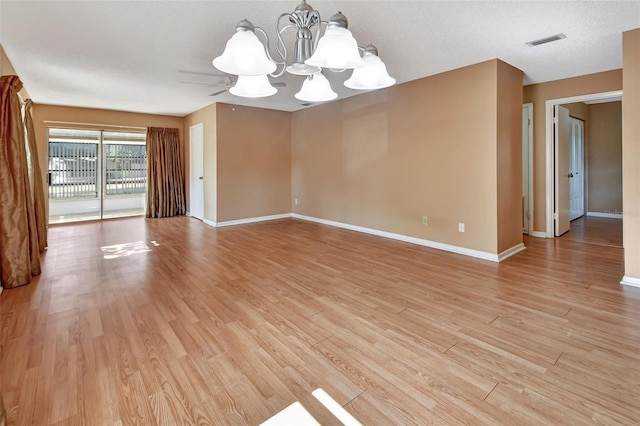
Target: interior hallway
596,230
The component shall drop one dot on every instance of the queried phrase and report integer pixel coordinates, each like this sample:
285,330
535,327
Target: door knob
570,175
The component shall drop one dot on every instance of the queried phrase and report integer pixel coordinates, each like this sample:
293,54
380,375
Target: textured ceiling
155,57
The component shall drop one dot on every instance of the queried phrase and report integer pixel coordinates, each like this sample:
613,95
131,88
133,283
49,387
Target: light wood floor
595,230
169,321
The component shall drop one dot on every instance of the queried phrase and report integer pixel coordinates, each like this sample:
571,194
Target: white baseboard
208,222
252,220
510,252
630,281
538,234
413,240
609,215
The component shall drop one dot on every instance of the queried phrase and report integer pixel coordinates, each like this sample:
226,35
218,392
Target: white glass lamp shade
244,55
370,77
316,88
253,86
336,49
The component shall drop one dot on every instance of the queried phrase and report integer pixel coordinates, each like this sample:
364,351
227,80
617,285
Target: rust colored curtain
37,188
165,173
19,247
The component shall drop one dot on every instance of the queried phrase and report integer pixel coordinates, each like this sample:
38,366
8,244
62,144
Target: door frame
529,153
191,171
549,148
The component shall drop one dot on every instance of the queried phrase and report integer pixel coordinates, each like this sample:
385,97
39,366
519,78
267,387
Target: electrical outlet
296,201
425,220
460,227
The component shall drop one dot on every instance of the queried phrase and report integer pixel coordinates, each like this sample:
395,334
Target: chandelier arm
266,49
281,47
318,30
314,14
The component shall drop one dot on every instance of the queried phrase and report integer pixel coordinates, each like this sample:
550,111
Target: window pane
126,168
73,158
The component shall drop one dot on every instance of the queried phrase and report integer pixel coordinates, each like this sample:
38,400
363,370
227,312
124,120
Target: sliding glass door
124,174
96,174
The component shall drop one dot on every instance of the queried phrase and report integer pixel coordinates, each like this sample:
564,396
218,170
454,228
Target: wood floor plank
371,410
228,326
27,399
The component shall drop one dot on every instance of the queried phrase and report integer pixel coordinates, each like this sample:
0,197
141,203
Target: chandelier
313,53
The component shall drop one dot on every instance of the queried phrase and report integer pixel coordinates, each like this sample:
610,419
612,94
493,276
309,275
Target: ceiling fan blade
218,93
202,84
200,73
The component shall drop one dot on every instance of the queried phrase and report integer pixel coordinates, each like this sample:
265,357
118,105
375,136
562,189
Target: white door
526,162
576,170
562,139
196,187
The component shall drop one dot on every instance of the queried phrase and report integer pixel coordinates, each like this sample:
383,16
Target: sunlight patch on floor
296,414
126,249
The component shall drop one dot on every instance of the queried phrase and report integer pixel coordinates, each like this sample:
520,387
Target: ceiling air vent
546,40
307,104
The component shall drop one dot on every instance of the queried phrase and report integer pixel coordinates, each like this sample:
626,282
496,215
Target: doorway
552,216
95,174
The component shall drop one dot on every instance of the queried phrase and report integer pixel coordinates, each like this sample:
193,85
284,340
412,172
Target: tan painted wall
631,152
91,118
208,117
604,157
384,159
578,110
254,162
538,94
509,152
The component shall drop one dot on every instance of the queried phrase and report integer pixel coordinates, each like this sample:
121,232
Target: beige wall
91,118
207,116
604,157
509,153
631,153
384,159
578,110
254,162
538,94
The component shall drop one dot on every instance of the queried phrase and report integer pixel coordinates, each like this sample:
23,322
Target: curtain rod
112,126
